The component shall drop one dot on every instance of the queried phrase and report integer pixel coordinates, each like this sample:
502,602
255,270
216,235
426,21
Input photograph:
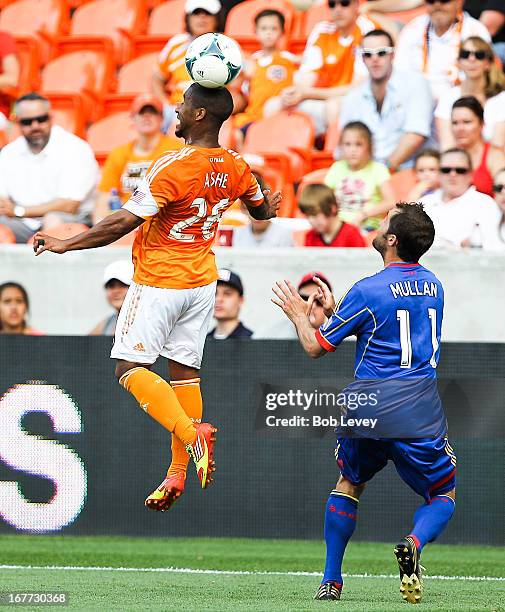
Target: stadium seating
85,73
116,20
402,182
125,241
133,78
43,20
29,74
7,235
314,177
240,21
110,132
315,14
166,20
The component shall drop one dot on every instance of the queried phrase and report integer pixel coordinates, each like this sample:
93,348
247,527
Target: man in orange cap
126,165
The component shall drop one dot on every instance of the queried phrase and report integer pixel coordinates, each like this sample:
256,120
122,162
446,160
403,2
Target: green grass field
275,589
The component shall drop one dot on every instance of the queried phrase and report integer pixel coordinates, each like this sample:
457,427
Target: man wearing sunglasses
430,43
462,216
329,65
47,175
399,120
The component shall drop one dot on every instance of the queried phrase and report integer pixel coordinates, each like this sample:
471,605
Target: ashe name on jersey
408,288
216,179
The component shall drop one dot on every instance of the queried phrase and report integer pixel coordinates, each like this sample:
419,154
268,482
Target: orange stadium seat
240,21
67,111
110,132
7,235
132,79
315,14
402,182
44,20
125,241
29,74
166,20
226,135
314,177
85,73
116,20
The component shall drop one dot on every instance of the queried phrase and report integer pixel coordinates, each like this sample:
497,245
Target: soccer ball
213,60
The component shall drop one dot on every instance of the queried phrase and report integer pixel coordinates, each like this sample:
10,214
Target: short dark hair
433,153
462,152
20,288
413,229
379,32
271,13
217,102
31,97
363,129
472,104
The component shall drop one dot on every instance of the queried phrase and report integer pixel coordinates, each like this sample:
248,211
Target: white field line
188,570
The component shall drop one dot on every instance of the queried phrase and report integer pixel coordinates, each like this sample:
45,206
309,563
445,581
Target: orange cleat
167,493
202,451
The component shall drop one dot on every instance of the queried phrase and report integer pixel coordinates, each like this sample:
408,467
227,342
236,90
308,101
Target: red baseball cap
309,278
143,100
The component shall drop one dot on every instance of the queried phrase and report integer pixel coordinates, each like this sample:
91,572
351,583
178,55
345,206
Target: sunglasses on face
457,170
480,55
343,3
439,1
381,52
498,188
26,122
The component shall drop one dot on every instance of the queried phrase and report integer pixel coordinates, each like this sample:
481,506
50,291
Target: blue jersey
396,316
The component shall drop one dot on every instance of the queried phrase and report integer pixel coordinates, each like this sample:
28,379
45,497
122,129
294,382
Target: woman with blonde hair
483,80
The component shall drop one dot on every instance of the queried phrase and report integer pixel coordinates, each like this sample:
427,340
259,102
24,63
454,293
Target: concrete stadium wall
67,296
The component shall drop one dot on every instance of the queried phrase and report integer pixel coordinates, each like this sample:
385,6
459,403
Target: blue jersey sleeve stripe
344,321
369,340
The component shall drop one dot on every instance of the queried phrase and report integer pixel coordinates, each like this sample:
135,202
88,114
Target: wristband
19,211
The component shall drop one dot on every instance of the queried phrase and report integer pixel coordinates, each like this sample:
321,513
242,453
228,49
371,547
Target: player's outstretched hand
288,298
273,202
325,296
43,242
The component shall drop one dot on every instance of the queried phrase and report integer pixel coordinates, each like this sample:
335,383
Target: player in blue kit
396,316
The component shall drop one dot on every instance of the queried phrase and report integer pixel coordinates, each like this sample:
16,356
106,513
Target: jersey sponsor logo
408,288
216,160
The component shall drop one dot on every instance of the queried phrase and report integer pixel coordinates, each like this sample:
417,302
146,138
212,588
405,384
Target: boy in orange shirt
269,70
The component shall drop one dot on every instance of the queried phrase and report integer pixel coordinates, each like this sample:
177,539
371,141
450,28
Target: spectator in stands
229,300
268,72
399,121
14,309
499,198
329,66
361,185
170,78
306,287
117,278
126,165
427,169
492,14
485,81
320,205
48,176
266,234
467,120
429,44
9,75
462,216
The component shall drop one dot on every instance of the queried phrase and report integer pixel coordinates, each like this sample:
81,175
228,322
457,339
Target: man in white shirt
462,216
430,43
397,106
48,176
265,234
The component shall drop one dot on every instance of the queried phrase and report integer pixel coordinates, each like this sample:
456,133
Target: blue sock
431,519
339,525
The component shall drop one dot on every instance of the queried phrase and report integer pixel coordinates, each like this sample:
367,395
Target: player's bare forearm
106,232
307,337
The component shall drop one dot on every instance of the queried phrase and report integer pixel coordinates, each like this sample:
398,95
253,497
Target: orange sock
159,400
189,395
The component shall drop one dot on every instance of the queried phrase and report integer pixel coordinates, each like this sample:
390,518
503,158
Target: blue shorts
427,465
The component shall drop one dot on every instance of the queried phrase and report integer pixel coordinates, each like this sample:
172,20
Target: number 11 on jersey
403,317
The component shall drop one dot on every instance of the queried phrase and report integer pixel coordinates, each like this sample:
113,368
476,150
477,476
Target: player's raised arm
107,231
288,298
268,209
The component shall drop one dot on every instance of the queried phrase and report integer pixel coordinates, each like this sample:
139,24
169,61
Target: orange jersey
270,75
332,56
124,169
182,197
172,66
